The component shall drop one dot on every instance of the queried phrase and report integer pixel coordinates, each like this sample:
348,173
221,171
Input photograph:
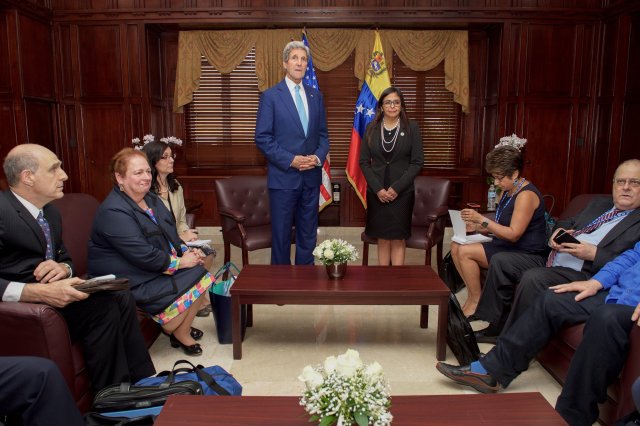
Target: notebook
460,231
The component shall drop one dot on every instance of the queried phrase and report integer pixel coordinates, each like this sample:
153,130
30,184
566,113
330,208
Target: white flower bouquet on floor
335,250
344,391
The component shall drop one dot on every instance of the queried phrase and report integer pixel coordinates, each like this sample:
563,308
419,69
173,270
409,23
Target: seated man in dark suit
35,267
604,228
33,392
609,303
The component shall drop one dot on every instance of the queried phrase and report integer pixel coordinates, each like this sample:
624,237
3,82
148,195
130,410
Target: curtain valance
419,50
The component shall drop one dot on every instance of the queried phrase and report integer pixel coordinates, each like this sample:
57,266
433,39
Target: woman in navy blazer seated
390,158
134,235
295,141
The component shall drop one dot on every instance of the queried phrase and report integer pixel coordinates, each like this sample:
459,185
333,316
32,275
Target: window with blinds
221,118
432,106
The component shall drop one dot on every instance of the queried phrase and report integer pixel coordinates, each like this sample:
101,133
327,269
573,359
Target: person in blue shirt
609,303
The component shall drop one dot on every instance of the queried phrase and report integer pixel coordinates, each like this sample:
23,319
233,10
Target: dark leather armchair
39,330
243,203
430,213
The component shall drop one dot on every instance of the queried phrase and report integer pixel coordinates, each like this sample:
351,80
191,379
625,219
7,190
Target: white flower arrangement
344,390
513,141
335,250
148,138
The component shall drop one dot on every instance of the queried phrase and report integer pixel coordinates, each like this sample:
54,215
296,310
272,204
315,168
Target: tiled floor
286,338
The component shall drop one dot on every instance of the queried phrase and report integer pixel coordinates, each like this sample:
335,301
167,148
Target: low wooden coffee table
362,285
508,409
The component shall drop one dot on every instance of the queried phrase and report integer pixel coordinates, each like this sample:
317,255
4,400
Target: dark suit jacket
125,241
405,164
22,243
622,237
280,136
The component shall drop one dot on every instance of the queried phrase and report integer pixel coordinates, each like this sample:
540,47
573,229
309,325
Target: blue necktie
47,234
301,112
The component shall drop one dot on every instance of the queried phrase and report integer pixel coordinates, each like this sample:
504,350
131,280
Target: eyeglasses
633,183
391,103
167,156
497,178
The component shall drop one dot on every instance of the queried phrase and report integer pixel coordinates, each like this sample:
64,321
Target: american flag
325,187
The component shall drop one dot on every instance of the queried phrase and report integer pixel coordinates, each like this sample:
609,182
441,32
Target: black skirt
390,221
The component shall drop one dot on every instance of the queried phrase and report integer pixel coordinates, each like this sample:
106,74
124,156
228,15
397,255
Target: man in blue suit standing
291,131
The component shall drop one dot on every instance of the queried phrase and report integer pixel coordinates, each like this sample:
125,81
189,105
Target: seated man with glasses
608,304
604,229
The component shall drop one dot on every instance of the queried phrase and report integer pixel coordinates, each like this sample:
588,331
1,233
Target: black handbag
460,337
449,274
128,397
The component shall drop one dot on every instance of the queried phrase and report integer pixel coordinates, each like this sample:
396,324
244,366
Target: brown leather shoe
483,383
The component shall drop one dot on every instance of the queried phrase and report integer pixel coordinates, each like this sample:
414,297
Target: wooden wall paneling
510,62
64,62
100,51
630,145
135,121
157,120
103,133
134,63
203,189
550,60
618,87
5,64
15,93
154,62
36,58
70,147
547,126
8,126
471,139
40,127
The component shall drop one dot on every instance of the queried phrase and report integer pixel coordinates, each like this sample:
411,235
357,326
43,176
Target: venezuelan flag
376,81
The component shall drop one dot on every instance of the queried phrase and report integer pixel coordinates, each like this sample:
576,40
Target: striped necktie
597,223
47,234
301,112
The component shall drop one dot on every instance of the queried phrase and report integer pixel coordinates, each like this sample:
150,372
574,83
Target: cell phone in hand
565,237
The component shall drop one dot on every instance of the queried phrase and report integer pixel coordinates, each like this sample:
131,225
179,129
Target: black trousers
107,325
504,273
536,281
597,361
33,392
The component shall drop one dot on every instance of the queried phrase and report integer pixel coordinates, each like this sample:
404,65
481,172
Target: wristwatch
485,223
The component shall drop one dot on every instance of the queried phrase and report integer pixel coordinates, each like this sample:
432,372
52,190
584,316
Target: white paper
460,231
198,243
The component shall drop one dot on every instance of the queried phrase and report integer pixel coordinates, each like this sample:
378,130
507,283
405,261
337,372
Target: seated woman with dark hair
519,223
164,183
134,236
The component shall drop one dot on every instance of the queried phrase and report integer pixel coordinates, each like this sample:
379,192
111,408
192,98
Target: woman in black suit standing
390,158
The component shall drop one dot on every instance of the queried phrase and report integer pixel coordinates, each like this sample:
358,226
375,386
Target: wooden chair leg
227,252
365,254
245,261
424,316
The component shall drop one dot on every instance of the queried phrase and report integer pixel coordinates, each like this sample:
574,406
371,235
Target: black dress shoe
472,318
483,383
487,335
193,350
195,333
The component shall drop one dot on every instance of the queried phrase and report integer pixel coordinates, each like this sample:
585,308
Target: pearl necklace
394,138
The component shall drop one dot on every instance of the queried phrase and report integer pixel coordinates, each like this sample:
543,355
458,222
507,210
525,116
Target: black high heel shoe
195,333
193,350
